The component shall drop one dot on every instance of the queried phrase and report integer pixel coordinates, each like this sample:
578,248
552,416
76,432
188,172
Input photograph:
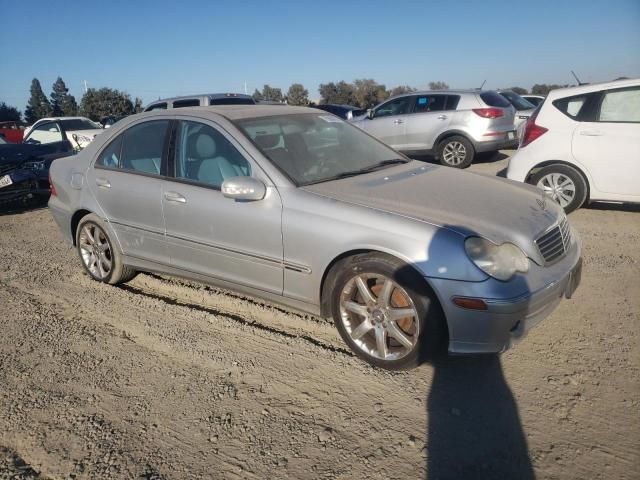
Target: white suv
583,144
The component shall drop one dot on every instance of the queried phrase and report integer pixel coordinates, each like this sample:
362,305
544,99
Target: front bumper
508,317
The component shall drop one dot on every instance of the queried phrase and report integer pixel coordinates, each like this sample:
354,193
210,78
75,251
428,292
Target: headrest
205,146
267,141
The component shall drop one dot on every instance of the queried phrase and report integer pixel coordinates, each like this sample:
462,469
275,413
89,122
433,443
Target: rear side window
110,156
429,103
620,106
142,147
191,102
231,101
494,99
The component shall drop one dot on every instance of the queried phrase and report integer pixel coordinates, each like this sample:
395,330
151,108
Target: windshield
78,124
517,101
313,148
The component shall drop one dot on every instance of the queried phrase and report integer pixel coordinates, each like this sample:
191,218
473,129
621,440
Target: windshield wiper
370,168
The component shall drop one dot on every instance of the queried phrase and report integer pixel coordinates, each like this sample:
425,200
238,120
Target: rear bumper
493,145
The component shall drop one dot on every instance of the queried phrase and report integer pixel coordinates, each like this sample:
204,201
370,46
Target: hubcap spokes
95,251
454,153
379,316
560,187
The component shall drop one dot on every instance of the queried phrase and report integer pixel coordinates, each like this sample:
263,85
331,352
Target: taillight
52,188
489,112
532,131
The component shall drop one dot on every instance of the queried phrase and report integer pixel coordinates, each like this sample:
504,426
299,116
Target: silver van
454,125
201,100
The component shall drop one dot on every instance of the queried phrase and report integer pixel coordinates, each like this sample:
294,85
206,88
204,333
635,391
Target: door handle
103,183
398,121
442,117
174,197
591,133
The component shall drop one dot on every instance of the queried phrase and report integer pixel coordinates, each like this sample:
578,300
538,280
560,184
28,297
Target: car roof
593,87
201,95
233,112
55,119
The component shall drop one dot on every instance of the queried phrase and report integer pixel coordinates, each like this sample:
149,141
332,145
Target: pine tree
62,104
38,106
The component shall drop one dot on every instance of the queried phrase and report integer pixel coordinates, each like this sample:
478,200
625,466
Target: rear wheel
99,257
456,151
384,312
564,184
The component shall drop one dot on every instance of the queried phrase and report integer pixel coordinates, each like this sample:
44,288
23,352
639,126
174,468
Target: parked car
79,131
534,100
348,112
523,108
201,100
302,208
11,132
583,145
109,120
454,125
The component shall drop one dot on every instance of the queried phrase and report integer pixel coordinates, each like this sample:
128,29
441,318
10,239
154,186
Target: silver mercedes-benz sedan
298,207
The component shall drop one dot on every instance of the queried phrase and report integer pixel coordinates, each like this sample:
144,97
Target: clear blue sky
163,48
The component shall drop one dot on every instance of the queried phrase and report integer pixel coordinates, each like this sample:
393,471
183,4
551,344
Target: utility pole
245,88
85,86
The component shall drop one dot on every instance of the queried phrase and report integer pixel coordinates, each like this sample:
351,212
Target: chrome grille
555,242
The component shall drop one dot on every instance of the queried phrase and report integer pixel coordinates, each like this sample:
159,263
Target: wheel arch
453,133
548,163
75,221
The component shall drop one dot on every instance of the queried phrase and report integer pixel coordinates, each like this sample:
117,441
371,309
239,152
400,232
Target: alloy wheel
95,251
454,153
379,316
559,186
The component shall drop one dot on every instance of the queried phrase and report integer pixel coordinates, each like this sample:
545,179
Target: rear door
127,180
428,118
608,144
388,122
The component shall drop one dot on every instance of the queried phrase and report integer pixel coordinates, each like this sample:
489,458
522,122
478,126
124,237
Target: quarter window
204,155
620,106
398,106
142,147
157,106
571,106
110,156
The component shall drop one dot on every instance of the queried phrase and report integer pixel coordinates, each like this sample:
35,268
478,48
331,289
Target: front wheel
457,152
384,312
564,184
99,257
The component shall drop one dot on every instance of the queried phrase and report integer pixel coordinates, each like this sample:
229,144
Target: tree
137,105
400,90
519,90
438,86
297,95
257,96
341,93
368,92
62,104
9,113
38,106
543,89
271,93
98,103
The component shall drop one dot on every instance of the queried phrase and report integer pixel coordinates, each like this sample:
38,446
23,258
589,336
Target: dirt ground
163,378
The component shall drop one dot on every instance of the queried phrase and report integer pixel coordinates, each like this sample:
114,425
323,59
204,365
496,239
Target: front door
609,147
209,234
388,122
126,180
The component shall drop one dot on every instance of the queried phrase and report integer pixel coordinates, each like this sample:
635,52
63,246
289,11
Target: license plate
5,181
511,135
574,280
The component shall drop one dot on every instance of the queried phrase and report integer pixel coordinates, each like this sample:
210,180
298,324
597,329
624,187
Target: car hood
471,204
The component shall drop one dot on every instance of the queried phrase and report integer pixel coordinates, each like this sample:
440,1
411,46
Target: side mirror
244,188
370,113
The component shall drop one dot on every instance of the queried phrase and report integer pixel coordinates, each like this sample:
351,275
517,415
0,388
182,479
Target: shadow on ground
17,208
474,427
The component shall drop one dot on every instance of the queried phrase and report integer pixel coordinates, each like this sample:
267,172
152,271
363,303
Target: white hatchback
583,144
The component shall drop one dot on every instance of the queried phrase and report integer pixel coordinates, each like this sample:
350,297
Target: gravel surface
167,379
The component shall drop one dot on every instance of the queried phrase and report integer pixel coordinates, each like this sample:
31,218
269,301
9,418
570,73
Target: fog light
469,303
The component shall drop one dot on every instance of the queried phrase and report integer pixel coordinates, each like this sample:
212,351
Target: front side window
398,106
204,155
429,103
48,132
142,147
312,148
620,106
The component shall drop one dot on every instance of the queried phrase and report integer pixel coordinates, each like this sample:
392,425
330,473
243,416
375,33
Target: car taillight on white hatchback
532,131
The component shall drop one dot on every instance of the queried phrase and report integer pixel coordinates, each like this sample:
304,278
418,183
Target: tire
98,254
564,184
456,152
373,330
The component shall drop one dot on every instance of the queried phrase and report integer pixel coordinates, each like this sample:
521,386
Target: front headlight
499,261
